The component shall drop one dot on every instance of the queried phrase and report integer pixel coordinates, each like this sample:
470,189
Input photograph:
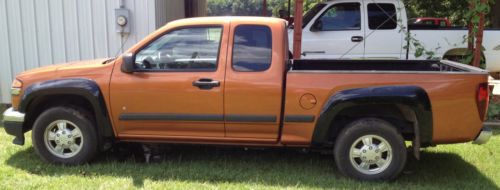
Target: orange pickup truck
230,81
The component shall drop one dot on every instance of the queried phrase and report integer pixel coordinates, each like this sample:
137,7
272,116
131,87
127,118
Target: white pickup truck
378,29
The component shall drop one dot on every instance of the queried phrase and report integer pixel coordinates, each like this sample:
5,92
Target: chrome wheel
63,139
370,154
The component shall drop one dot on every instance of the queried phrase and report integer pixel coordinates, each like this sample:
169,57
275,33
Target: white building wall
36,33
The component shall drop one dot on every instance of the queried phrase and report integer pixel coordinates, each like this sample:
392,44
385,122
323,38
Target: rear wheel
65,135
370,149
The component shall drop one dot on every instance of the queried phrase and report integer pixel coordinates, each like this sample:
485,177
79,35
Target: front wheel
65,135
370,149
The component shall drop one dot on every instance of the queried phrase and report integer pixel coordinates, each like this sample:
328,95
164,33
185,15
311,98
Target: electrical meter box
122,20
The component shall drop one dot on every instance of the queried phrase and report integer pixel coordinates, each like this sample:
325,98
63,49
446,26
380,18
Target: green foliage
455,10
253,7
493,111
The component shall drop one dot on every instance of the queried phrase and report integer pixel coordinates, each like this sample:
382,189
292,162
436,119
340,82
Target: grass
2,109
460,166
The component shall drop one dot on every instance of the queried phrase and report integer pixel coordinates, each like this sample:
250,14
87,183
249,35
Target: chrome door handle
206,84
357,38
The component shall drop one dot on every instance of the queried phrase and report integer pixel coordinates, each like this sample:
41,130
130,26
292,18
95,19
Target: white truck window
342,16
382,16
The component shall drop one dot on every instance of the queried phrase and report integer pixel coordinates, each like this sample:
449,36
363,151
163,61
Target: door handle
357,38
206,84
313,52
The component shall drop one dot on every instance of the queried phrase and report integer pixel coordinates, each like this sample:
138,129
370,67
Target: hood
71,69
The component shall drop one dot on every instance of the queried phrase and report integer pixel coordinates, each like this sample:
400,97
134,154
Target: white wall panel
15,29
57,34
99,24
43,32
36,33
5,66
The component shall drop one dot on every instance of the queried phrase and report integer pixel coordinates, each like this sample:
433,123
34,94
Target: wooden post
264,7
297,31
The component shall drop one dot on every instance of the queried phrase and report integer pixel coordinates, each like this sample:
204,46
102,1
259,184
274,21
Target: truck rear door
383,35
254,80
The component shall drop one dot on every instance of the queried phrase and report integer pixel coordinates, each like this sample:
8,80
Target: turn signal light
17,85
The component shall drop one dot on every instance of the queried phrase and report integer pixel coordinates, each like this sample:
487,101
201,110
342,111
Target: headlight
17,85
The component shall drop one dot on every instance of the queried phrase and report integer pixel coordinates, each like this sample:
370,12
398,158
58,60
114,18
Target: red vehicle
428,21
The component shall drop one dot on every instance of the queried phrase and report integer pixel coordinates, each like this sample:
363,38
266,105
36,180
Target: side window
442,23
382,16
252,48
429,22
343,16
183,49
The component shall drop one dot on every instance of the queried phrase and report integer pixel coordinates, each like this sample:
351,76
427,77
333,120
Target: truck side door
337,32
177,89
254,81
383,35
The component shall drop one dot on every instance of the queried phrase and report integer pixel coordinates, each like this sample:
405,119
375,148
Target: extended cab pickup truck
229,81
378,29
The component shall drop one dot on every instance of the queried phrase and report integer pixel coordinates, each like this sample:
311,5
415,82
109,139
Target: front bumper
484,136
13,123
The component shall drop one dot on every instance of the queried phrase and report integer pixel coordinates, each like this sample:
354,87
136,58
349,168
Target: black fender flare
413,97
85,88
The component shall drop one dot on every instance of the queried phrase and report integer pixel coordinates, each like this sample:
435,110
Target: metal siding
43,32
167,11
5,67
57,34
29,34
86,37
70,13
99,11
15,29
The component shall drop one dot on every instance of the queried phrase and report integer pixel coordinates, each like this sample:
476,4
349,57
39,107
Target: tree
454,10
476,16
252,7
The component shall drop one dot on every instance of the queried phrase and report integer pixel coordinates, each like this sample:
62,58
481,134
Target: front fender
82,87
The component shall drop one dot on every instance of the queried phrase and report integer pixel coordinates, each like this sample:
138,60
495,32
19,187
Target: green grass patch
459,166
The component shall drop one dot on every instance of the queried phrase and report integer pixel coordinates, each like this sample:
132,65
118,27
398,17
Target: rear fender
412,97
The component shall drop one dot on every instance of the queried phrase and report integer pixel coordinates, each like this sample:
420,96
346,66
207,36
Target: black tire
376,128
87,139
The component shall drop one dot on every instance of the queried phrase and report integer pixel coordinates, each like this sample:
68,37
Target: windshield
311,13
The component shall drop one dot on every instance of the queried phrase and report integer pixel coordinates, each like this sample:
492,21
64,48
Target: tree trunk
479,38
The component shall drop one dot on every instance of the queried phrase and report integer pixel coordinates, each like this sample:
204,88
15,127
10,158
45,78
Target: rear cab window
382,16
252,48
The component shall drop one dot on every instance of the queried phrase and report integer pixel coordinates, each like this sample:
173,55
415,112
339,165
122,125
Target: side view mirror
317,26
128,65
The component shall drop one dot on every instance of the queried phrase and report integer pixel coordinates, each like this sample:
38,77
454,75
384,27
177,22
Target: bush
493,111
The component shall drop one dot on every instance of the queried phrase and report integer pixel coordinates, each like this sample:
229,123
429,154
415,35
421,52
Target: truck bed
383,65
450,86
